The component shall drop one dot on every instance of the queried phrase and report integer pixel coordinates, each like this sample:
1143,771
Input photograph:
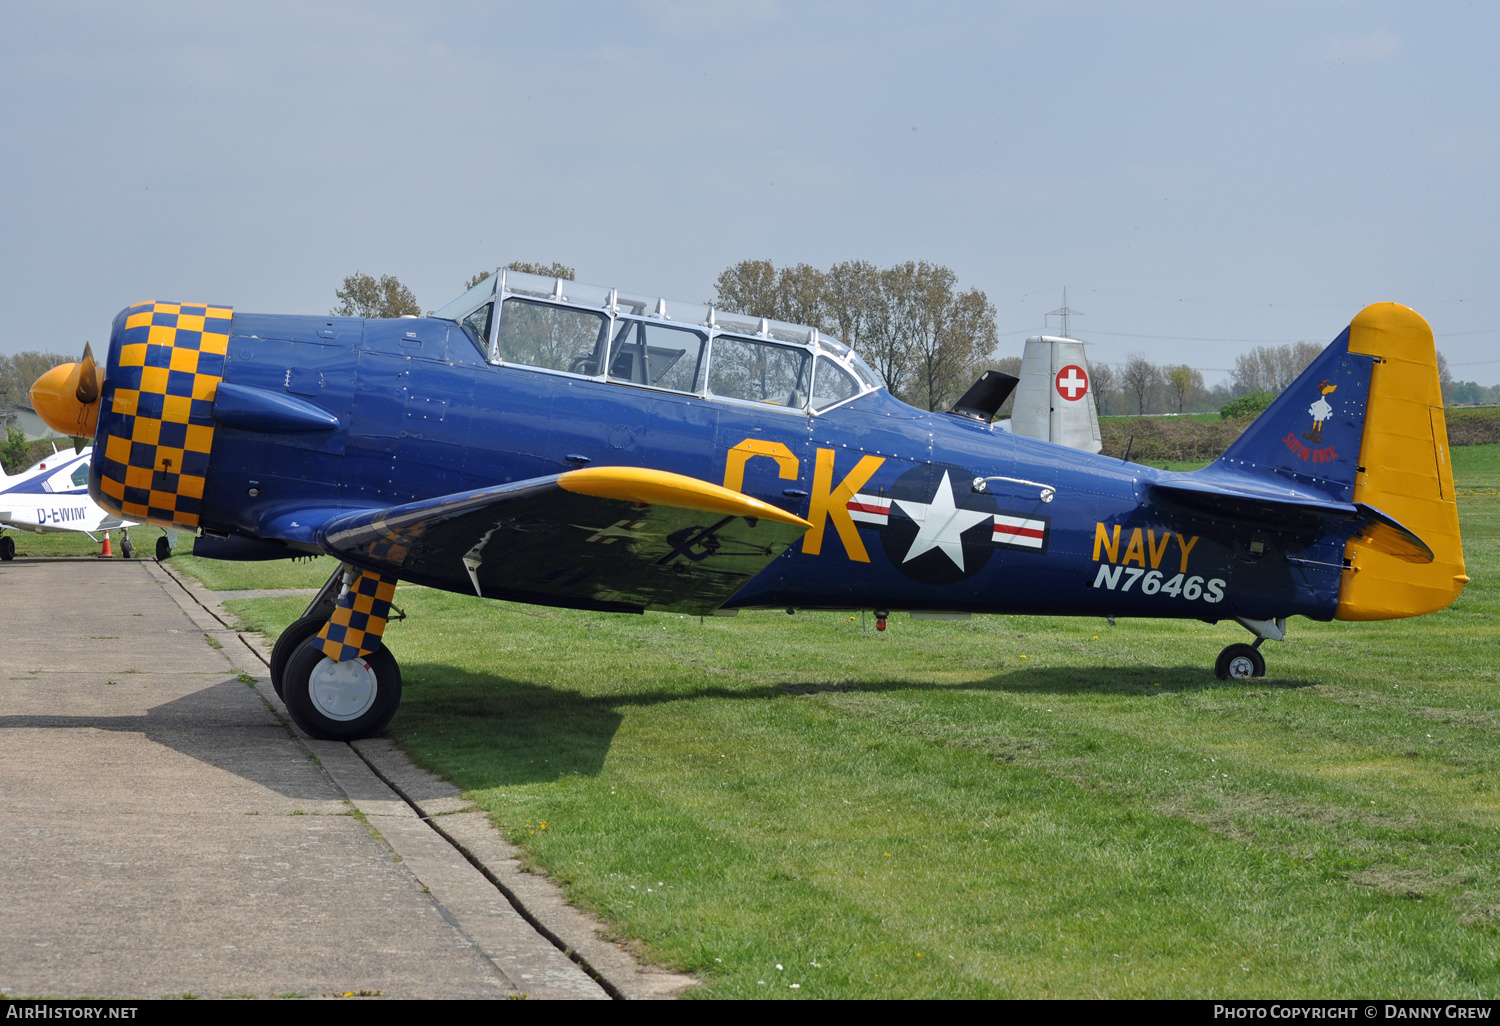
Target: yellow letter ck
830,501
734,463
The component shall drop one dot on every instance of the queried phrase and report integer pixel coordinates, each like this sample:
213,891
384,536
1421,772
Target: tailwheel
163,549
1240,662
7,548
341,701
294,637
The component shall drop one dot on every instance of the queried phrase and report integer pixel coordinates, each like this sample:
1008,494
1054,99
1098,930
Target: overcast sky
1202,177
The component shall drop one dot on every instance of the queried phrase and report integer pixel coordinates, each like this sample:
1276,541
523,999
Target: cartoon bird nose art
1320,411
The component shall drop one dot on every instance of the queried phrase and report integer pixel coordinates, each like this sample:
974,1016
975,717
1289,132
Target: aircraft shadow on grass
516,732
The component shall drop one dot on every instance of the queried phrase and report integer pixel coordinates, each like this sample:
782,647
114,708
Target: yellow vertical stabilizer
1404,472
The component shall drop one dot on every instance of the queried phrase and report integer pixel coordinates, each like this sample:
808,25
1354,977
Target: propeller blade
88,377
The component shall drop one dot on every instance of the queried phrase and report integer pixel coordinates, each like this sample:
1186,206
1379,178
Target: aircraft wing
1294,510
612,538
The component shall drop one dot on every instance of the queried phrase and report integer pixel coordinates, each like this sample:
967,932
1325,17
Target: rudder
1404,472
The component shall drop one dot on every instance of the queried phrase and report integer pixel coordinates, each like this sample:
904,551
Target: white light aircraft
53,495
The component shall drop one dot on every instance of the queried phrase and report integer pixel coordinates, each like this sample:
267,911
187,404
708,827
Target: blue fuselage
898,522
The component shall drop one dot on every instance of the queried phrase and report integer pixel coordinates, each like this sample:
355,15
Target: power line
1248,302
1255,341
1195,338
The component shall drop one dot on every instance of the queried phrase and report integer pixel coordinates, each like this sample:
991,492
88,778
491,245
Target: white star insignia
941,523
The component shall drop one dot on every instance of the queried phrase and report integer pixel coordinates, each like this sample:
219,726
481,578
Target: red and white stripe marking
870,509
1020,532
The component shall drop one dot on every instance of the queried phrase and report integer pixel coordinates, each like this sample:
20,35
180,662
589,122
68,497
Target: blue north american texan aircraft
545,441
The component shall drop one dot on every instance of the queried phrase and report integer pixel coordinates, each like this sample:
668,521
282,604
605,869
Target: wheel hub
342,691
1241,668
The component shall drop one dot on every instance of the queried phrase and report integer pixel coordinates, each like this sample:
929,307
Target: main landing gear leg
346,685
308,624
1240,661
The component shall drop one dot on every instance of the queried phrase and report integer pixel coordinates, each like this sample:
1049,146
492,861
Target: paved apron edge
574,933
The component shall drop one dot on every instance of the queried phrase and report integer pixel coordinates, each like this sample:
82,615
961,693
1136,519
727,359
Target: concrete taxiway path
163,830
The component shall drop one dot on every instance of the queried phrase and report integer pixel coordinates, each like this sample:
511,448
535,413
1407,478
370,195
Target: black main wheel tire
7,548
1240,662
341,701
294,637
163,549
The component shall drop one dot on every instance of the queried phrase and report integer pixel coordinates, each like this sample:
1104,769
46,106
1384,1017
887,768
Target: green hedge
1159,439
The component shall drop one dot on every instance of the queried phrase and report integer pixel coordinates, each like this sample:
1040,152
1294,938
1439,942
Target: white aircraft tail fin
1055,399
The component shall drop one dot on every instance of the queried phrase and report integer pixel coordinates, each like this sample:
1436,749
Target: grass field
1008,806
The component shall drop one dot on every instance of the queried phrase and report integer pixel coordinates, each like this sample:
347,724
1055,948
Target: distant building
25,419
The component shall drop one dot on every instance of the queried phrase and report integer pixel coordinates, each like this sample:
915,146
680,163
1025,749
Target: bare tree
1272,368
1140,380
19,371
966,336
905,322
922,337
1184,383
1298,356
1105,382
1006,365
928,341
364,296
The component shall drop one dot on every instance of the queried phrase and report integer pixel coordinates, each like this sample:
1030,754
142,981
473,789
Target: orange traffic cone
108,553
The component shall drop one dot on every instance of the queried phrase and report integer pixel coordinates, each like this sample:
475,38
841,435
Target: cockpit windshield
612,329
467,302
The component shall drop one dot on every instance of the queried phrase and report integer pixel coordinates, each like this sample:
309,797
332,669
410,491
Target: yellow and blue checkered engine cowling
156,427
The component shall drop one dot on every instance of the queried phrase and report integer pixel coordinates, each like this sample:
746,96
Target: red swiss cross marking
1072,382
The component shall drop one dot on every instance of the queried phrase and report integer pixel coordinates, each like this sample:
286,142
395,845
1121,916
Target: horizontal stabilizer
1263,502
612,538
1258,500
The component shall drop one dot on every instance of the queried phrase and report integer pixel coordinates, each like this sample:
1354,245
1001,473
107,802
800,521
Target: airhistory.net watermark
47,1011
